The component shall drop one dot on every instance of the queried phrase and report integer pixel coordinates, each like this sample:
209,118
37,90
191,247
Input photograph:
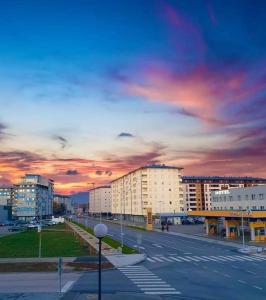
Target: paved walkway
92,240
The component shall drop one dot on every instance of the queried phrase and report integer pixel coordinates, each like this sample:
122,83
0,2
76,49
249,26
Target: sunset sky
90,90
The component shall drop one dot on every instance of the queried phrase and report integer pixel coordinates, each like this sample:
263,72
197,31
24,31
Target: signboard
149,219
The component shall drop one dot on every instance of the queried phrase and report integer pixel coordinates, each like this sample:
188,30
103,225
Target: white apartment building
100,200
156,186
198,189
253,198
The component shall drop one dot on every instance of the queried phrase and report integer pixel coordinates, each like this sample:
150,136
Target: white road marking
176,259
242,281
151,260
251,272
156,289
257,287
163,293
157,258
67,286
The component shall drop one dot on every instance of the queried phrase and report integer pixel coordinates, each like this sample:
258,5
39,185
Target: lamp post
100,231
248,211
93,184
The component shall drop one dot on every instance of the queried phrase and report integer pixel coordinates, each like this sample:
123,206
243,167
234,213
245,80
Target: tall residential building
247,198
66,200
157,187
198,189
100,200
6,195
33,197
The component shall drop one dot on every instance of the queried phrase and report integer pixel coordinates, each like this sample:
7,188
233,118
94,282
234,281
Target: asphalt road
180,268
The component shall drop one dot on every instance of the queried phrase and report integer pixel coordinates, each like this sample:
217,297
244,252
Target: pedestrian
162,226
167,227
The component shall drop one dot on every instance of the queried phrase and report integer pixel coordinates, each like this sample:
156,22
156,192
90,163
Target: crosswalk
203,258
148,282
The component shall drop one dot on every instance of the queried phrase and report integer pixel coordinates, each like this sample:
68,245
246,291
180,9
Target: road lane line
253,273
257,287
192,258
176,259
163,293
150,259
67,286
242,281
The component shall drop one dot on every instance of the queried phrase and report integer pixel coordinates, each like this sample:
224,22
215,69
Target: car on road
16,228
33,225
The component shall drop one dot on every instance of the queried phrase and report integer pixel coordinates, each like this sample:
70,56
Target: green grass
137,227
54,244
109,241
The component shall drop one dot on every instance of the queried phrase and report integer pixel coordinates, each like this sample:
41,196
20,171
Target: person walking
162,227
167,227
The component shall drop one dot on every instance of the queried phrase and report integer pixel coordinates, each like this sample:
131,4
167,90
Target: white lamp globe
100,230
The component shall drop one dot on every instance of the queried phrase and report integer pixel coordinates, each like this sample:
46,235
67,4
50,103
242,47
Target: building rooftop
150,167
222,178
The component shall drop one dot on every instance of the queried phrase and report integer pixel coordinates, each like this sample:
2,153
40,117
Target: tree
59,209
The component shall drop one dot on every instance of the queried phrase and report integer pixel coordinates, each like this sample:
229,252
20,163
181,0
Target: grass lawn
109,241
54,244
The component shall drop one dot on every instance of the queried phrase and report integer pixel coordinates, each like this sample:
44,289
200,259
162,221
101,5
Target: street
180,268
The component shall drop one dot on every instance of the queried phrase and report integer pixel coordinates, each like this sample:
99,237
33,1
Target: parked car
33,225
16,228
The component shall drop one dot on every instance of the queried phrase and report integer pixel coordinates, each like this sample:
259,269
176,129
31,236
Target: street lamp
100,231
248,211
93,184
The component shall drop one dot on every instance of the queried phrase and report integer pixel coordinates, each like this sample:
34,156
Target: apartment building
6,195
66,200
33,197
198,189
100,200
245,198
155,186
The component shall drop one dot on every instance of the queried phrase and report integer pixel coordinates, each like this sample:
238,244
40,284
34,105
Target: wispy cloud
72,172
61,140
125,135
3,133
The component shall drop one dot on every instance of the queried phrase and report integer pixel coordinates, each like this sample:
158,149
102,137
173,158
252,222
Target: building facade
6,196
66,200
33,198
247,198
156,186
198,189
100,200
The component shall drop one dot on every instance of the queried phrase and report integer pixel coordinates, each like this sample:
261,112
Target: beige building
156,186
100,200
198,189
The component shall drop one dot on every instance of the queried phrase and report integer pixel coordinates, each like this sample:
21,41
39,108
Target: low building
154,187
66,200
197,189
100,200
5,213
33,198
248,198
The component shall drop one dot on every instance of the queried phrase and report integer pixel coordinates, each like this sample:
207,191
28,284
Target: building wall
100,200
198,190
253,198
66,200
6,196
33,197
156,187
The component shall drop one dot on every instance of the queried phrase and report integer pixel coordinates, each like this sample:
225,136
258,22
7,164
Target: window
239,197
247,197
253,196
262,208
254,207
261,196
230,198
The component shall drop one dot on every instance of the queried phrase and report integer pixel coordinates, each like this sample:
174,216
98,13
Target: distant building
100,200
33,197
198,189
252,197
6,195
5,213
157,187
66,200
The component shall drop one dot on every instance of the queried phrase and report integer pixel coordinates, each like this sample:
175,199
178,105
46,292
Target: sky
90,90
